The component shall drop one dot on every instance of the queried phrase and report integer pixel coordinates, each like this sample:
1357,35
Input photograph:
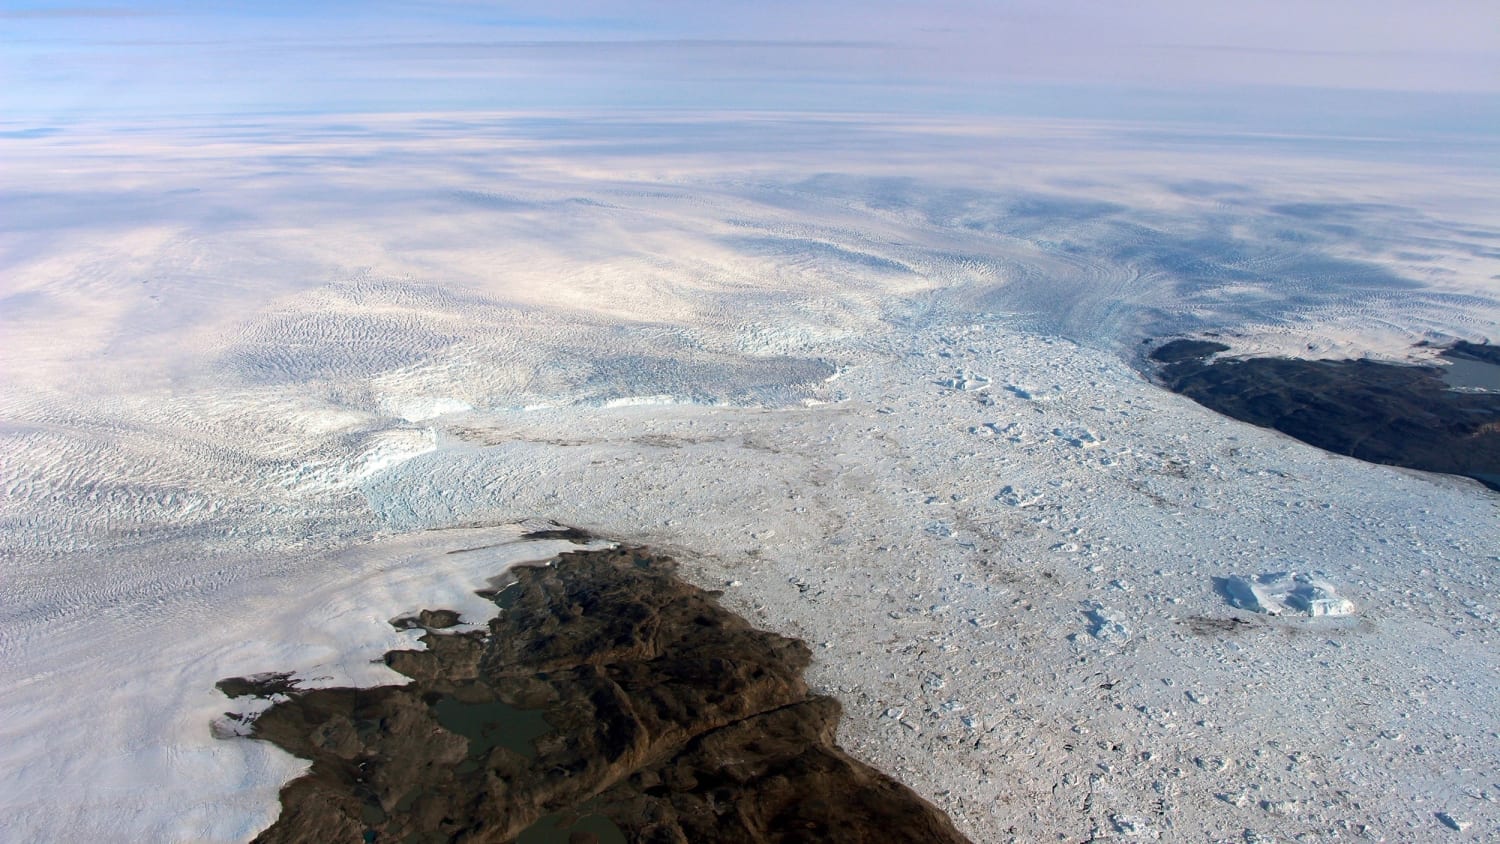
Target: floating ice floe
1280,592
965,381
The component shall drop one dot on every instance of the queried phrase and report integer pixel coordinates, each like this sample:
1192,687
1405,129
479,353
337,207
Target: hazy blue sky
1071,57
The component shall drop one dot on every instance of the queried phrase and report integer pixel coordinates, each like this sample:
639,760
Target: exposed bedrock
1396,414
609,701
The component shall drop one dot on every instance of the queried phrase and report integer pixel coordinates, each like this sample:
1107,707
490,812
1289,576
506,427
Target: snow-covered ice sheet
890,398
111,737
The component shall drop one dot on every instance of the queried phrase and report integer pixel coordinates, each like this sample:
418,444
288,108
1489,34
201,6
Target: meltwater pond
1466,374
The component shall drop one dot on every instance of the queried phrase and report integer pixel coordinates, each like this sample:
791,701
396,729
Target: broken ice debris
1274,593
939,529
989,429
1280,807
1013,497
1453,823
1104,626
1078,437
1132,826
966,381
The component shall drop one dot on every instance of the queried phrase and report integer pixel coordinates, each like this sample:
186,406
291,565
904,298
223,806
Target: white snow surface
109,730
259,378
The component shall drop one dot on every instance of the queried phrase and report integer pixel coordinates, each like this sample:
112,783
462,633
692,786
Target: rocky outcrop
1396,414
609,701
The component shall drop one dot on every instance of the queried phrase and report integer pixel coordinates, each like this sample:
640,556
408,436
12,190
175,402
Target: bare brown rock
609,701
1395,414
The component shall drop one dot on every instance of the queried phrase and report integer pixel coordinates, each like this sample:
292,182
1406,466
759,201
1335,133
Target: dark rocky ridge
1484,353
609,701
1395,414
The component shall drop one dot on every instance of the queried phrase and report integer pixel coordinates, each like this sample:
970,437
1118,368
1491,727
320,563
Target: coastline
608,701
1386,413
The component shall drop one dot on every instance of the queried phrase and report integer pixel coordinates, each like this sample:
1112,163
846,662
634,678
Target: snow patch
422,408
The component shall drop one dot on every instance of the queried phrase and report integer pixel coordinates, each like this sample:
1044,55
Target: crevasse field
878,379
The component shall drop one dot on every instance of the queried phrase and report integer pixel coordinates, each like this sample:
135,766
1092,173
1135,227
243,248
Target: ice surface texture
1280,592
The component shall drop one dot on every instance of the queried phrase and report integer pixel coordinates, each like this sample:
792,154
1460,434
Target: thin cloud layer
835,56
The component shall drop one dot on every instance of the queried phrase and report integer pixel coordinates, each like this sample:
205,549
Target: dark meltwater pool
1472,375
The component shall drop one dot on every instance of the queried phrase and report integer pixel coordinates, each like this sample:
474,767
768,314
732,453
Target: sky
1436,62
